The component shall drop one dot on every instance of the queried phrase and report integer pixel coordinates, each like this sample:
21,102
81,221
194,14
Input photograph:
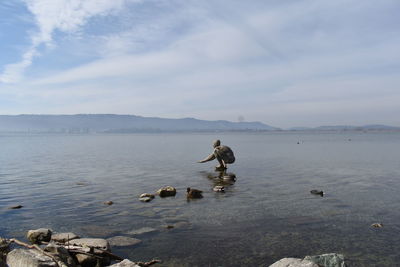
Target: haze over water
267,214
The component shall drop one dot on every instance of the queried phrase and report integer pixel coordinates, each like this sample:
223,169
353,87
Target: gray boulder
63,237
61,254
28,258
94,243
125,263
328,260
293,262
39,235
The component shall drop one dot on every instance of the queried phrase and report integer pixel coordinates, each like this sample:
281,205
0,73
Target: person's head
216,143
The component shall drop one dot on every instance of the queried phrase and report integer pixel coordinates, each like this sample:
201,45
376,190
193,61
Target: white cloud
50,15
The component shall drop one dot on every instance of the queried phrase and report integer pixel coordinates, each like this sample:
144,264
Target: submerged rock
167,191
39,235
123,241
108,202
144,230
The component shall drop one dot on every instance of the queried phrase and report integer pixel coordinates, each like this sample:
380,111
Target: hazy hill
117,123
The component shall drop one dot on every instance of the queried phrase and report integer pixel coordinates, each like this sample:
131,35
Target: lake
267,214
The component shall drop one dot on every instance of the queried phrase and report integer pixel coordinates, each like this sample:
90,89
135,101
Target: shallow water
267,214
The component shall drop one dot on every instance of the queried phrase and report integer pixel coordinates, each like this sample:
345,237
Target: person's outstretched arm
209,158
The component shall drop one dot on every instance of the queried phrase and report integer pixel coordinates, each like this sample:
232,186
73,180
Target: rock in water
146,197
328,260
15,207
167,191
194,193
377,225
219,188
39,235
123,241
317,192
108,203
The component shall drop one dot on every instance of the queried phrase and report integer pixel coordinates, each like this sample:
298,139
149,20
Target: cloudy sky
284,63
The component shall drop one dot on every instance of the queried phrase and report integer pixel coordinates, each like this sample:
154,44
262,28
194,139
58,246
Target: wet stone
15,207
63,237
108,203
167,191
91,243
125,263
39,235
123,241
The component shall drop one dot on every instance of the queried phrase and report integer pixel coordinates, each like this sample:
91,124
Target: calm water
267,214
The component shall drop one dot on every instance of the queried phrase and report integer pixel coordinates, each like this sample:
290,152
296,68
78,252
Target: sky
284,63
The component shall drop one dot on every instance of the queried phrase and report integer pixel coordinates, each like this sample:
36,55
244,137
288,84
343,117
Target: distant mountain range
371,127
111,123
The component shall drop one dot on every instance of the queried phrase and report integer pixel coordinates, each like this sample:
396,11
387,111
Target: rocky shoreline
65,250
48,249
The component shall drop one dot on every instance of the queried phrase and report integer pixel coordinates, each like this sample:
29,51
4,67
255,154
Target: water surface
267,214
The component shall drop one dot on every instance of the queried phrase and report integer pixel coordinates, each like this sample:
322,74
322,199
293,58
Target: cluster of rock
63,250
324,260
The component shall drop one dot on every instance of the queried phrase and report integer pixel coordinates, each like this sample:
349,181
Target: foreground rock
97,246
167,191
324,260
293,262
28,258
125,263
4,249
63,237
39,235
328,260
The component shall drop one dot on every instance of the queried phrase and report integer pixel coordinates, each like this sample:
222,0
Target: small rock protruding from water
109,203
229,177
377,225
15,207
146,197
317,192
167,191
193,193
219,188
39,235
